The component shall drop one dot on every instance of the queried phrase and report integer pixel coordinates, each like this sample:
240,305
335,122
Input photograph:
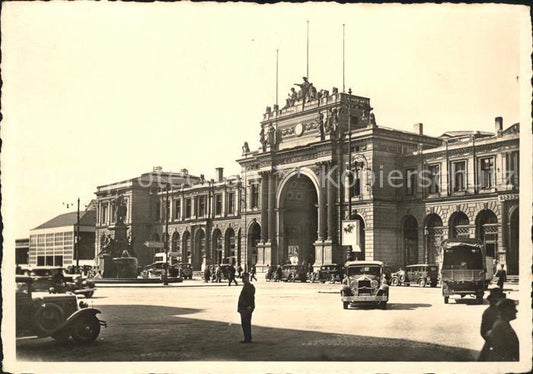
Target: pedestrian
218,274
245,307
502,343
490,315
278,274
231,275
239,270
253,271
207,274
502,277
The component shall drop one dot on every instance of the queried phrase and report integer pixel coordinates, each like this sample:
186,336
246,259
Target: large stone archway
254,236
298,220
199,256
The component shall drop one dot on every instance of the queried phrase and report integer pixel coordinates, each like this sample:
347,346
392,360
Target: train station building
326,177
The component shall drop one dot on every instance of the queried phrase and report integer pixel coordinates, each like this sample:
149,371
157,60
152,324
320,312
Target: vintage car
364,283
463,268
58,316
292,273
46,278
330,273
421,274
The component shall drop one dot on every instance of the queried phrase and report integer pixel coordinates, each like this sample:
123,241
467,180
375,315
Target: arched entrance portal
199,256
410,240
186,254
254,236
513,253
487,231
434,233
459,226
217,246
229,248
175,246
298,220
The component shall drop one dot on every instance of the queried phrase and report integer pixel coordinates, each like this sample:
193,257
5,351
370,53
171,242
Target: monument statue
120,209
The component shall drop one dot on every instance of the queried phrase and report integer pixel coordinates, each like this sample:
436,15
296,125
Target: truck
463,269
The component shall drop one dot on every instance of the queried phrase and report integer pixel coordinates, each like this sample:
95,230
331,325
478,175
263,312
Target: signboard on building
350,235
293,254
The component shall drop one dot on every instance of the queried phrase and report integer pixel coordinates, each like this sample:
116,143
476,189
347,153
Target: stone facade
323,162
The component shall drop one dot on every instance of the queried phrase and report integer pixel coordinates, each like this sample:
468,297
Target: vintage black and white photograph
282,188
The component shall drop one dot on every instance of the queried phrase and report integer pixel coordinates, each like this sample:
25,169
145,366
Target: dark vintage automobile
330,273
54,280
58,316
421,274
292,273
463,268
364,283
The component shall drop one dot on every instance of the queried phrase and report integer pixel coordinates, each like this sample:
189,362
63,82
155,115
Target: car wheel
422,282
479,298
86,330
345,304
395,282
446,298
48,318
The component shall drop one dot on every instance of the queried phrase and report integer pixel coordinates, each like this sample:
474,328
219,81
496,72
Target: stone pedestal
323,253
107,266
264,256
126,267
120,236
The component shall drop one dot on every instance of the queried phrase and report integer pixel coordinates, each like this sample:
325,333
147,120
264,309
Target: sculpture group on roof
306,93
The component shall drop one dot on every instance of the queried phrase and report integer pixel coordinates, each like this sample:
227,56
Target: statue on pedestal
120,209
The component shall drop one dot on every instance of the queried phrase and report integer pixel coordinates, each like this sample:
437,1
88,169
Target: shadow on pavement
154,333
406,306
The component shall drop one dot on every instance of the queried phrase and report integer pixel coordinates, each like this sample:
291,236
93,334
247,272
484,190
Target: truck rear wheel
446,298
345,304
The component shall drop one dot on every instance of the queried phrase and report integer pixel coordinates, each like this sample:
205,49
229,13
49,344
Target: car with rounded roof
364,283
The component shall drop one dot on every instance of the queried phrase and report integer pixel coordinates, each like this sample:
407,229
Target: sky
95,93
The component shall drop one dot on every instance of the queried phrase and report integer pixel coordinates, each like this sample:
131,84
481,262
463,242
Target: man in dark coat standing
246,306
502,277
490,315
502,342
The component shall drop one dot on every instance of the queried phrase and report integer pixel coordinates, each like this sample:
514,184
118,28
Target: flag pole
307,74
343,58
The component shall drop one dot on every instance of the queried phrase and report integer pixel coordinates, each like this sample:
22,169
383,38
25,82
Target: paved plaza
292,322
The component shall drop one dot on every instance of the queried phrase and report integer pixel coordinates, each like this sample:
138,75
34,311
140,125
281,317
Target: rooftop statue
263,139
245,148
303,93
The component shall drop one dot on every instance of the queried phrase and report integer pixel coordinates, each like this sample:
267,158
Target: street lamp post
165,276
78,238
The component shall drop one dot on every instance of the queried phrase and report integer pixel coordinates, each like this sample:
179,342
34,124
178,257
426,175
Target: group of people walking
216,274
